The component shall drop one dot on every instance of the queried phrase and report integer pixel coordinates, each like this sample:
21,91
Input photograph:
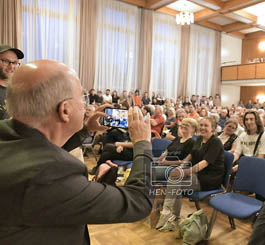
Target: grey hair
39,100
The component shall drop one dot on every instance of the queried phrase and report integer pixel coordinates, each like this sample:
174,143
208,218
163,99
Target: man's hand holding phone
139,129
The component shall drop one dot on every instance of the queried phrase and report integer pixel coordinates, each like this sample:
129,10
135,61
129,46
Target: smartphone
116,118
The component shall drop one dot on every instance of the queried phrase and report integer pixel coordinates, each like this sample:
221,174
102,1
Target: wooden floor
140,233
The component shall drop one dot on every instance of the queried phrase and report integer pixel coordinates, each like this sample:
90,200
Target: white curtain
51,30
201,60
118,29
165,55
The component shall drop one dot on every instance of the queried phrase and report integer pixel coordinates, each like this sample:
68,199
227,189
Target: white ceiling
258,9
221,21
183,5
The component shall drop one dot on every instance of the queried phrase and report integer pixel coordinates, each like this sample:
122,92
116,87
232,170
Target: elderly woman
180,146
207,173
228,137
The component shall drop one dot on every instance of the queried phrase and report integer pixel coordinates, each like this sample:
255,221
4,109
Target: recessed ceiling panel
221,21
250,30
183,5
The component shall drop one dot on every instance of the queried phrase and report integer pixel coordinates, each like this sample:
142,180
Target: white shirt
107,98
247,144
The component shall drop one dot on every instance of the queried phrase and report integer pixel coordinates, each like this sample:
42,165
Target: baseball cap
5,47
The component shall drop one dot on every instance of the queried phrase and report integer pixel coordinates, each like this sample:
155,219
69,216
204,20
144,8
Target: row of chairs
249,178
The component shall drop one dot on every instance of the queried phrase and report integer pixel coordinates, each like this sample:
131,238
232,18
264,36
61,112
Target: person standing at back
8,64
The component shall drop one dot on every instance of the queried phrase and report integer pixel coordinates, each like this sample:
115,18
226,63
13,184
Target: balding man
8,64
46,197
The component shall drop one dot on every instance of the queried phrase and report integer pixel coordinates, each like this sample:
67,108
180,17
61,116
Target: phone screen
116,118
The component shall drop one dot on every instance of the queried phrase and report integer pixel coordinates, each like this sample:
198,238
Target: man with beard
8,64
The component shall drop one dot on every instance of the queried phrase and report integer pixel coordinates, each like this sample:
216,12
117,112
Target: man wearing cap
8,64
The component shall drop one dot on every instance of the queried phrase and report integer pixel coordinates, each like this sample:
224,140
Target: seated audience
123,97
192,112
107,98
157,120
174,131
223,118
159,99
186,101
207,173
239,129
115,97
117,151
180,146
203,113
137,99
171,118
216,117
145,99
92,96
228,137
130,99
99,98
251,142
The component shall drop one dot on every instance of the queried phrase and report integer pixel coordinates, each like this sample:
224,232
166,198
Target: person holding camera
206,173
46,197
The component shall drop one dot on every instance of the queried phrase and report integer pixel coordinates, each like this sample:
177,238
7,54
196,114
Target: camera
116,118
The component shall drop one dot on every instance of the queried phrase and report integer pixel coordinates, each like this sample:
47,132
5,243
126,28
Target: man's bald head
36,89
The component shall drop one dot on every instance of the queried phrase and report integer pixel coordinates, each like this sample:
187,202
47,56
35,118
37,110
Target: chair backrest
228,160
159,145
250,175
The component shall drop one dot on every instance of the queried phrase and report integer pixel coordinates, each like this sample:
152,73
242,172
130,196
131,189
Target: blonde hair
191,122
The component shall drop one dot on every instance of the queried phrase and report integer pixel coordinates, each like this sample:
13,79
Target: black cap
5,47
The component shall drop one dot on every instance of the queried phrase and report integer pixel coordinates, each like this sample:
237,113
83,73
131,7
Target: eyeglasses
7,62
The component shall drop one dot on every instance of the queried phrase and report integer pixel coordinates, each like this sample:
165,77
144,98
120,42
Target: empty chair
250,178
159,146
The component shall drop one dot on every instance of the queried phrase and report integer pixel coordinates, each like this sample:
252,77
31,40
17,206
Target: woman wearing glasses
228,137
207,172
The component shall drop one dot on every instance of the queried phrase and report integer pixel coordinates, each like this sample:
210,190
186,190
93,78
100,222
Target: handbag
194,228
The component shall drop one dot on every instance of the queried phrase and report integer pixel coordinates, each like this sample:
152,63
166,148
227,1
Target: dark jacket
46,197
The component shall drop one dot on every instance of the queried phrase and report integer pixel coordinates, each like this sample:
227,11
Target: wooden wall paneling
246,72
250,93
260,70
229,73
250,49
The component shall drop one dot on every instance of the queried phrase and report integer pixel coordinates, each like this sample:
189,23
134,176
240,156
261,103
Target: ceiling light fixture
184,17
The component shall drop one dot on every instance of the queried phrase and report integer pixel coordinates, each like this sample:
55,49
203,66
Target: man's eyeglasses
7,62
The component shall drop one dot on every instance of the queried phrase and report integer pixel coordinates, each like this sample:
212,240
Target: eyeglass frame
8,62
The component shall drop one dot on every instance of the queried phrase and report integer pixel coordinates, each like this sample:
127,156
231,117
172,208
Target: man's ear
65,111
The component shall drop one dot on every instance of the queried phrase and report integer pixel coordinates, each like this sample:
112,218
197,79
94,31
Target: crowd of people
46,196
200,130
